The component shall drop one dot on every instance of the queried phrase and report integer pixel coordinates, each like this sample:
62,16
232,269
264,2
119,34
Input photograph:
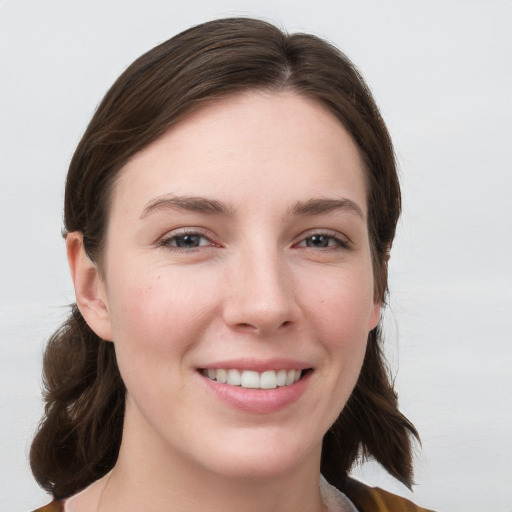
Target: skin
258,286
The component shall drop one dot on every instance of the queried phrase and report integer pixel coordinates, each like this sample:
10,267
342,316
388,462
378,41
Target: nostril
249,327
246,327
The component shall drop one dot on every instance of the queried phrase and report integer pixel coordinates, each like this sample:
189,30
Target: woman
228,215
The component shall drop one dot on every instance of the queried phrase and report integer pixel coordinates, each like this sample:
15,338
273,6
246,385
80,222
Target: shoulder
54,506
373,499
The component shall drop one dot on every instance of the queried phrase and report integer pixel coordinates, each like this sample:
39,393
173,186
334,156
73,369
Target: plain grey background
441,72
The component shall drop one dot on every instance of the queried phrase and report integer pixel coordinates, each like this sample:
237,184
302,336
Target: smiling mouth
250,379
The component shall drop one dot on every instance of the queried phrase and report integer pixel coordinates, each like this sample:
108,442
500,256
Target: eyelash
168,241
339,242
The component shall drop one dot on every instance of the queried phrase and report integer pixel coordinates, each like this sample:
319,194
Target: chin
262,459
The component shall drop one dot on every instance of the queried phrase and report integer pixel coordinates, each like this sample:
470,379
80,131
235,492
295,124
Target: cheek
342,312
343,307
154,316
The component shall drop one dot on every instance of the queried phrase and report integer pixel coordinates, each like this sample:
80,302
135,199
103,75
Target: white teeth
250,379
269,379
233,379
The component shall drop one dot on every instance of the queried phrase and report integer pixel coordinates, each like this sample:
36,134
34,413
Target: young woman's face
238,249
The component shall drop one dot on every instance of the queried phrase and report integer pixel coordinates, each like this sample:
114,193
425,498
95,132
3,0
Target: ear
91,297
374,318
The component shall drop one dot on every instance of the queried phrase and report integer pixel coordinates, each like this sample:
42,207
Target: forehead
248,143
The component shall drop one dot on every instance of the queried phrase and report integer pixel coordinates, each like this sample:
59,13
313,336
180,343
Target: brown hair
80,434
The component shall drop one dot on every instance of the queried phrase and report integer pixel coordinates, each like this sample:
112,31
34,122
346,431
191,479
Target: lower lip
258,401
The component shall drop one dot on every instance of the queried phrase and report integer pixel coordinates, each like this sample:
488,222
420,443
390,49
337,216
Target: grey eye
324,241
185,241
188,241
319,241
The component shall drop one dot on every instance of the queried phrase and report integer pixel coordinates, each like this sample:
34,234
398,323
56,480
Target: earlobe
374,315
89,287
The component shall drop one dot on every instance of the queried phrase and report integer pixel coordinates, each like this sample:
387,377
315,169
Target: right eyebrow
189,203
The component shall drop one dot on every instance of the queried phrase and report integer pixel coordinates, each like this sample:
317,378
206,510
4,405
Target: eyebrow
212,206
320,206
189,203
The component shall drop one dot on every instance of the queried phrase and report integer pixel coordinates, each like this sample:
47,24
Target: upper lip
258,365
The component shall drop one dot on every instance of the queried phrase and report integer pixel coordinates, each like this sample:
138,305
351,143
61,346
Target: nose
260,294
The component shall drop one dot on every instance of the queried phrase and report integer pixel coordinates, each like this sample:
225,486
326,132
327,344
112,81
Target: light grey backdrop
441,72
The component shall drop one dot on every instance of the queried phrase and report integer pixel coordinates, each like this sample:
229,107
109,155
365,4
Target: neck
130,489
150,480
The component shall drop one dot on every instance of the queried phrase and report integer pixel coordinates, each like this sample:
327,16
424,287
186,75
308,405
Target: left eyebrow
320,206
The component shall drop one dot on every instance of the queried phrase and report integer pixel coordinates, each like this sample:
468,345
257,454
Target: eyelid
344,240
165,240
